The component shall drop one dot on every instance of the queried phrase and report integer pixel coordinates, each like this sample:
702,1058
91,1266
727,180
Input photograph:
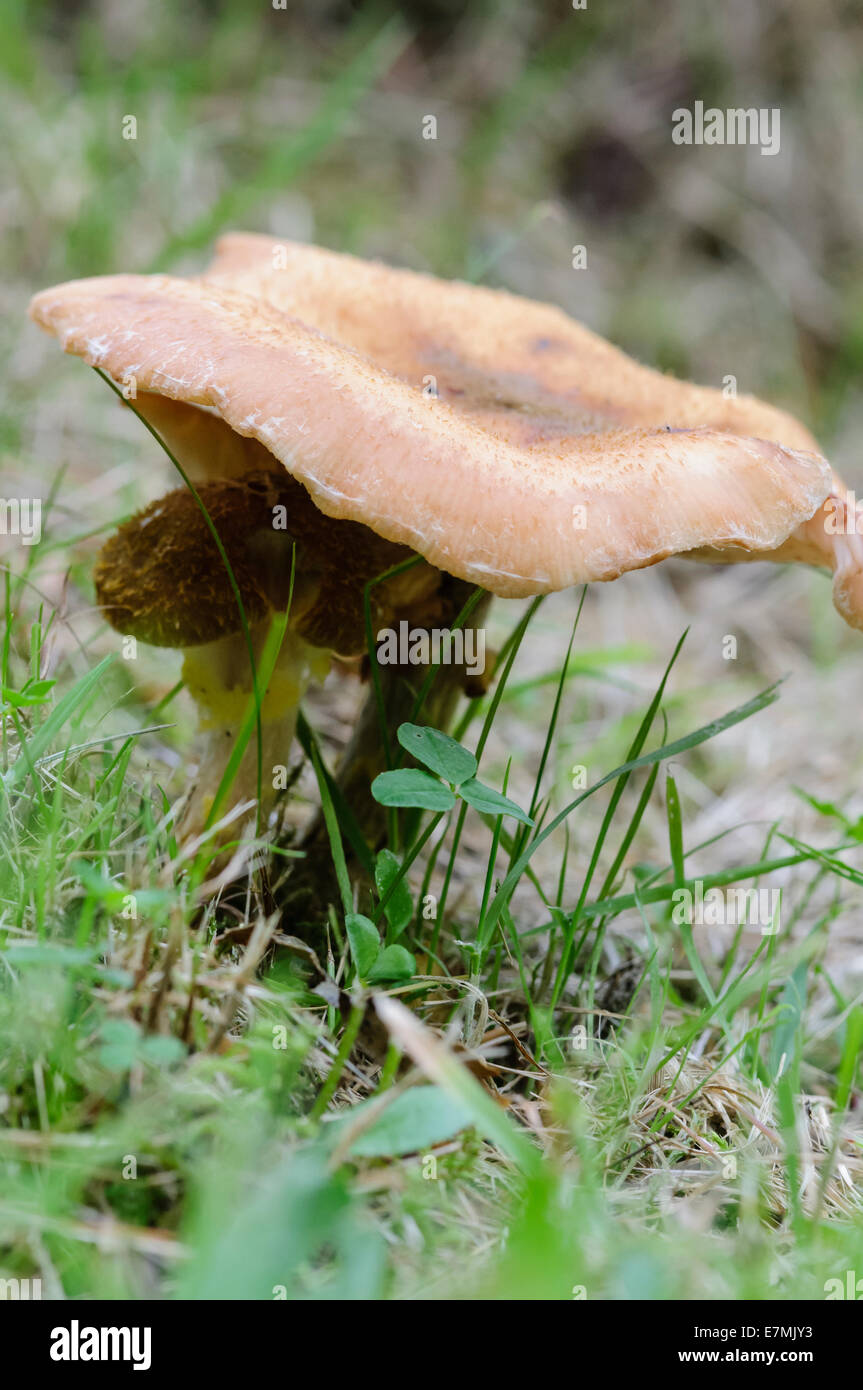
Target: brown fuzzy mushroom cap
161,577
158,577
503,478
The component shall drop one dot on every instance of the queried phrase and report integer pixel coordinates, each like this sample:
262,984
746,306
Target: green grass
168,1123
181,1115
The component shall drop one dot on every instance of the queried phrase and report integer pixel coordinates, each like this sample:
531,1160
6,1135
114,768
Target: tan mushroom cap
457,333
522,370
505,479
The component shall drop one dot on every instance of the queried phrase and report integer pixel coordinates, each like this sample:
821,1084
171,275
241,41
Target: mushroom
161,579
433,418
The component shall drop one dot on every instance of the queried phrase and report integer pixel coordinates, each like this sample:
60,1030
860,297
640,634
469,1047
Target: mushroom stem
218,676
